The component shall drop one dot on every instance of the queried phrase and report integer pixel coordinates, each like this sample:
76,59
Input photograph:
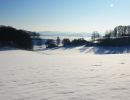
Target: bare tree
95,35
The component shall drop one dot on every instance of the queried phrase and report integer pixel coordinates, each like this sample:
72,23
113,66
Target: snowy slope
26,75
86,50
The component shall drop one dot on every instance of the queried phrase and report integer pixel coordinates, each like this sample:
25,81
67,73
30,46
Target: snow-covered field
47,75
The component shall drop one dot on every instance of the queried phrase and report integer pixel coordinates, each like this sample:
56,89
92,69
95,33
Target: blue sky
65,15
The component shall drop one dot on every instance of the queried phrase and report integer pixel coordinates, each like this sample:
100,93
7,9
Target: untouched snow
26,75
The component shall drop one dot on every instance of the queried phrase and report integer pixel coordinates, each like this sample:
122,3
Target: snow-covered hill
27,75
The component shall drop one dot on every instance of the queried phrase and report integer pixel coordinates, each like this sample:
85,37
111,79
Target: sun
111,5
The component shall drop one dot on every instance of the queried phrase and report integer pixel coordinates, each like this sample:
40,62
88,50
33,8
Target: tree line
66,42
17,38
119,36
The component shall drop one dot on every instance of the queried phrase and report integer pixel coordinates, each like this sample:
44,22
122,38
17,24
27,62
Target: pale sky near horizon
65,15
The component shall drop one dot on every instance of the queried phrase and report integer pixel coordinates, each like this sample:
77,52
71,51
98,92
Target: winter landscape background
64,50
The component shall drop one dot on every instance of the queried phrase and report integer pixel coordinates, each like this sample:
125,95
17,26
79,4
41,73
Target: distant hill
56,33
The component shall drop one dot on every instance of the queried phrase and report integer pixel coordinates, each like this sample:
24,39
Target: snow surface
84,50
27,75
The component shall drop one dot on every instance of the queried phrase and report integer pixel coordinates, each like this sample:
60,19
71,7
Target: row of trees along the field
66,42
18,38
120,36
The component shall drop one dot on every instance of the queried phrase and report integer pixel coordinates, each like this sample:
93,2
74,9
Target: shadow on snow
95,49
